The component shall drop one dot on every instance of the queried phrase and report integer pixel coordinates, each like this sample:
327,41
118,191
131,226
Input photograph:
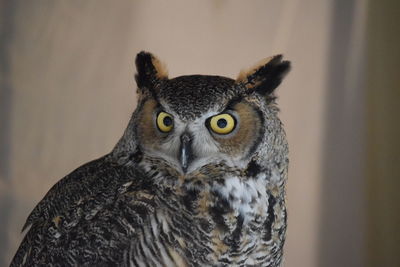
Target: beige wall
68,91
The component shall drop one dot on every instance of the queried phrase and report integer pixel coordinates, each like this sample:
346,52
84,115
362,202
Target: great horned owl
197,179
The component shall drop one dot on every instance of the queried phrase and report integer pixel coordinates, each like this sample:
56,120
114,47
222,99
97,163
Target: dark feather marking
146,76
260,134
269,76
221,207
225,260
234,239
271,217
137,156
253,168
189,200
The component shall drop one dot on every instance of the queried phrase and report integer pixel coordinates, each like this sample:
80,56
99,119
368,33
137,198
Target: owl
197,179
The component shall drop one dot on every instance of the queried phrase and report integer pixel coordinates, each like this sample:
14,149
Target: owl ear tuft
150,71
265,76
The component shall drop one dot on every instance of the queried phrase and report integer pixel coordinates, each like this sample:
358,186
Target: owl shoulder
94,197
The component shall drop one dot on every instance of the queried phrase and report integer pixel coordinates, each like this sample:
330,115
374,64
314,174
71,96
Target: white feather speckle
245,196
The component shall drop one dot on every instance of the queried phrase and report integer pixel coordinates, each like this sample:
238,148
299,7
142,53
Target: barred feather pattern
106,214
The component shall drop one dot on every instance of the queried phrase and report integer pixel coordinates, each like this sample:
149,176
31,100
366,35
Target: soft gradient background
67,92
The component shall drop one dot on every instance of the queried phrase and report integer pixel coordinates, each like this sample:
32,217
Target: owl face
191,121
226,131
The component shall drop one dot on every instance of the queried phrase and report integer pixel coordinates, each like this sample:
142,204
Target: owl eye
222,123
165,122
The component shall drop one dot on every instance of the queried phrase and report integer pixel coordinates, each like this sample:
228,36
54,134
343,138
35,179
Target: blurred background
67,92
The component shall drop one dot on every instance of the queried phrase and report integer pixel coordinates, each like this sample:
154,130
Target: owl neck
239,191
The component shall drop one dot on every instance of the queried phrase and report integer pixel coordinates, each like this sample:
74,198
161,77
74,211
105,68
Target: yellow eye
222,123
165,122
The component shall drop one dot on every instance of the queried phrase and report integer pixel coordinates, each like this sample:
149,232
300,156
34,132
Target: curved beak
185,151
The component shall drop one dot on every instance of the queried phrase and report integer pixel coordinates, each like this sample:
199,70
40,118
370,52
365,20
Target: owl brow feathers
150,71
265,76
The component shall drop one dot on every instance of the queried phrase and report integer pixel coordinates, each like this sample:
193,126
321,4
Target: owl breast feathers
197,179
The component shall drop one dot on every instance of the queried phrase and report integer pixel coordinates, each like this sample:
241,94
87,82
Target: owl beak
185,151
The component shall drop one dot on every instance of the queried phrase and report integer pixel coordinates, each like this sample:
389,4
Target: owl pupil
167,121
222,123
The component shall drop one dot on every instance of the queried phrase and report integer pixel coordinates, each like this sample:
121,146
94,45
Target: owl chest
226,224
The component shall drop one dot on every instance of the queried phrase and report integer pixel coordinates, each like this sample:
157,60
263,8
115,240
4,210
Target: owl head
191,121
